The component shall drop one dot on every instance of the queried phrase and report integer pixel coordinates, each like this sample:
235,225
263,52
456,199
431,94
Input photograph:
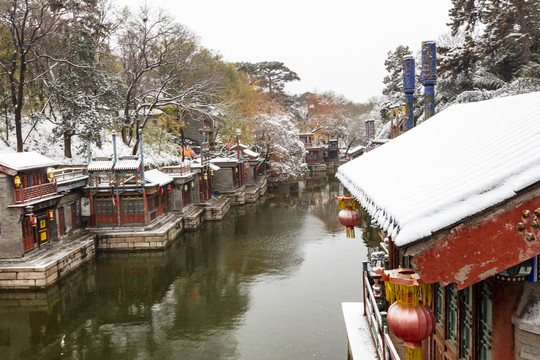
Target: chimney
429,76
408,90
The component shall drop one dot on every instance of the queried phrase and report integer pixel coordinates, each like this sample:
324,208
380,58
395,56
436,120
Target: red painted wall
474,253
506,298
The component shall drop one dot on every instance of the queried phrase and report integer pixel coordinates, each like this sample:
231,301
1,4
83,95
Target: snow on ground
463,160
358,332
42,140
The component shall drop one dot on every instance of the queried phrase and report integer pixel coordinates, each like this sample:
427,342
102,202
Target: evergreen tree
394,66
270,76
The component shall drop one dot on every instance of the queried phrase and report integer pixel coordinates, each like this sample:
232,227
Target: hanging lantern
50,214
169,188
408,317
205,176
192,184
212,173
160,191
33,220
348,216
50,174
185,187
17,182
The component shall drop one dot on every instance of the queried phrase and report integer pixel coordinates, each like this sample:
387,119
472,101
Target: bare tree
163,66
29,22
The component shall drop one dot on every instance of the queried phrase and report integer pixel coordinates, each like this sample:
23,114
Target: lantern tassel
413,353
350,233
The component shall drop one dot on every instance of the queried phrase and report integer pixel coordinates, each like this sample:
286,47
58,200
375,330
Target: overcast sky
337,45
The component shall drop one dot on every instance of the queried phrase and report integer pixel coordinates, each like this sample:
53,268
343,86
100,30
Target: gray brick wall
10,225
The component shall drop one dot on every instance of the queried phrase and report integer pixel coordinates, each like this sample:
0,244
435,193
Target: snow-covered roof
250,153
463,160
221,160
156,177
127,163
100,164
356,149
242,146
25,160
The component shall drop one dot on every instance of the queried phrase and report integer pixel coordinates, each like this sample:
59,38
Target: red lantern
412,324
33,220
408,317
160,191
169,188
348,216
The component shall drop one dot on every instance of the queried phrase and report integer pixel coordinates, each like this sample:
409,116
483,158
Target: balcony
176,170
33,193
67,174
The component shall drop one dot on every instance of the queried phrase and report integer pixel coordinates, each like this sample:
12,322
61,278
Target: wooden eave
482,245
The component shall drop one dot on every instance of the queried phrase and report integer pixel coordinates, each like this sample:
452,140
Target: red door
28,235
61,225
73,216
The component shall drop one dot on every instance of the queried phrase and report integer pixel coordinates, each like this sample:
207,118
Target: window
466,324
451,313
484,331
439,304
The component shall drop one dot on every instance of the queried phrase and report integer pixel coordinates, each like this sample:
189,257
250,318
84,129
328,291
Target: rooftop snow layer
156,177
456,164
25,160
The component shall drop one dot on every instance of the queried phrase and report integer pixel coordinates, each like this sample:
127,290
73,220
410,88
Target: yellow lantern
17,182
50,214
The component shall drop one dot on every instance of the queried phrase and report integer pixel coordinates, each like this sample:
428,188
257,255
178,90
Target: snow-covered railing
69,173
377,322
176,170
24,195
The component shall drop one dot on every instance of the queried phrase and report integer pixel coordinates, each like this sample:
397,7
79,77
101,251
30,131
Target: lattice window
439,304
466,324
485,323
451,313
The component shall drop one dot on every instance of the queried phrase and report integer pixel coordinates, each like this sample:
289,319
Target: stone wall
142,240
11,245
42,273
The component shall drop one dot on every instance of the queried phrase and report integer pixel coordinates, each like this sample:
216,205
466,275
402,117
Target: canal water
267,282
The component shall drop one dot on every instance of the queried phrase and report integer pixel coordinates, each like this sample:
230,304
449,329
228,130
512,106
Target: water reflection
266,282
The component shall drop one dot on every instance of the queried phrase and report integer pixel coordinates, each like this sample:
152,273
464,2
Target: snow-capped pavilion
459,199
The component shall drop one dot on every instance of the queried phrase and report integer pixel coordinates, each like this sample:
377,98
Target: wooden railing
24,195
180,169
69,173
377,322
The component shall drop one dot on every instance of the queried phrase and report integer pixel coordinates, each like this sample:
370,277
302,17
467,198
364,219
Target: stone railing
176,170
69,173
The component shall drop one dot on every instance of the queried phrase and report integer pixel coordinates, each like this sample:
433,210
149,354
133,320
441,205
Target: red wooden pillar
118,209
92,210
506,298
145,206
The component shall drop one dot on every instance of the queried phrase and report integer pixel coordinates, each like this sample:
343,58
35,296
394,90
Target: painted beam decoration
514,239
429,75
408,90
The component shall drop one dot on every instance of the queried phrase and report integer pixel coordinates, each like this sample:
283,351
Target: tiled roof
100,164
128,163
25,160
463,160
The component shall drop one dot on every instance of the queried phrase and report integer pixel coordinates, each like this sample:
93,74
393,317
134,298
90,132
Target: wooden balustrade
24,195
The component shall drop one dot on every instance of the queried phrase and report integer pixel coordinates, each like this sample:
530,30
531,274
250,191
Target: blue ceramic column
408,90
429,75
